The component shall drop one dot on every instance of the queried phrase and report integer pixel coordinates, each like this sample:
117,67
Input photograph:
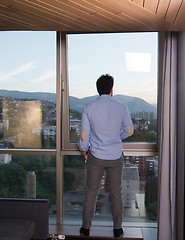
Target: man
101,144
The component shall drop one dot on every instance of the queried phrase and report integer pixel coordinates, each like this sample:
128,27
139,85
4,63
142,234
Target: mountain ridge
134,104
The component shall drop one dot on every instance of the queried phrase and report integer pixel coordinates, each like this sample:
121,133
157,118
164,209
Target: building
5,159
145,165
131,186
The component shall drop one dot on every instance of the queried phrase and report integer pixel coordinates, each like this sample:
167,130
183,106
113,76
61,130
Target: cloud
74,68
24,68
48,74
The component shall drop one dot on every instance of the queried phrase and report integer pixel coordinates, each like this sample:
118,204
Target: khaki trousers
114,176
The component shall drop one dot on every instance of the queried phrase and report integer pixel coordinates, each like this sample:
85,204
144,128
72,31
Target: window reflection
27,123
140,187
22,121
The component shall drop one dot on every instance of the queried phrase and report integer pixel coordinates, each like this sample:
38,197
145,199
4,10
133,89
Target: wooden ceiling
92,15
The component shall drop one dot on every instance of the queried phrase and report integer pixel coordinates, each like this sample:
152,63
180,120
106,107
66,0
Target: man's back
106,117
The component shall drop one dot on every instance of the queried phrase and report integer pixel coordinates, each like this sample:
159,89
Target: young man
101,144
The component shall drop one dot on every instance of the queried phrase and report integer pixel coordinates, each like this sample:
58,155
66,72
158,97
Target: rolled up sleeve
83,144
127,125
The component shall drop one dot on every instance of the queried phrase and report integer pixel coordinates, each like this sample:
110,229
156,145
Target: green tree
13,181
151,196
69,178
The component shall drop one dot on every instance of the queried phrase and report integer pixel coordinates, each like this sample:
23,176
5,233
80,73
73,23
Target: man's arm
83,144
127,132
128,128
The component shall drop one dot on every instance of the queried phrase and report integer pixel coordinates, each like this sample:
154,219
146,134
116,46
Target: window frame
135,149
63,145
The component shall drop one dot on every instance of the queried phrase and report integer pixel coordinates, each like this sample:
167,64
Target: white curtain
167,137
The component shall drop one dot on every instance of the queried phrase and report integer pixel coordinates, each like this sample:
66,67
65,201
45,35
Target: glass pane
73,185
131,58
29,176
28,91
140,187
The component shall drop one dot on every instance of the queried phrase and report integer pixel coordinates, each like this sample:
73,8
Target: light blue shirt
104,125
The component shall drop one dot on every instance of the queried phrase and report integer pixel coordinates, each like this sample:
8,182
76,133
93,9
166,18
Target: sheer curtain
167,136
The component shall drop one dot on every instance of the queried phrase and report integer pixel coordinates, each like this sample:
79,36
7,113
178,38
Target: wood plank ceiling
92,15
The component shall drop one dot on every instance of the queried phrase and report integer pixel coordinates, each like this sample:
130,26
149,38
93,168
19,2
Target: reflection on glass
131,58
22,121
140,187
29,176
140,179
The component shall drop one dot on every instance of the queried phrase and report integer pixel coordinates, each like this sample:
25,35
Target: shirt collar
104,96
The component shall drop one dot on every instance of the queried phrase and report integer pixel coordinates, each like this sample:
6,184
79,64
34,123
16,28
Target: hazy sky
131,58
28,62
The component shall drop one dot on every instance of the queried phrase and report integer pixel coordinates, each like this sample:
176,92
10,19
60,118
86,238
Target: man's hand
86,154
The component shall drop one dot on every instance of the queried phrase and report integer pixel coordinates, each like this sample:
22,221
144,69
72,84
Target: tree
151,196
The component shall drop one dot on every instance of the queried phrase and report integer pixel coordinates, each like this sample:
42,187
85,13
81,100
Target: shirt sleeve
126,122
83,144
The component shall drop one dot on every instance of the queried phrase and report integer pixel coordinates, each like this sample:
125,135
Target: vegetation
74,114
151,196
74,173
13,176
144,135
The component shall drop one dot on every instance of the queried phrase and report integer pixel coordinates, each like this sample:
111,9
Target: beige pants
114,176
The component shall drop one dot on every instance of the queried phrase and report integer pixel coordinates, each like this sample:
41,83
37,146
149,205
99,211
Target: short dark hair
104,84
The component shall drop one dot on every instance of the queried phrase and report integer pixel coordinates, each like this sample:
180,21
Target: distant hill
43,96
134,104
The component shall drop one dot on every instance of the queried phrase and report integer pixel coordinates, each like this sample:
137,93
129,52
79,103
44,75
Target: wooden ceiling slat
5,3
180,20
80,13
151,20
13,21
139,2
51,17
131,23
92,15
31,18
7,24
89,12
173,10
163,8
151,5
75,12
109,16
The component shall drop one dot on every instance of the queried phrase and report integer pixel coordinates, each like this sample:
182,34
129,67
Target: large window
28,116
32,107
28,90
131,58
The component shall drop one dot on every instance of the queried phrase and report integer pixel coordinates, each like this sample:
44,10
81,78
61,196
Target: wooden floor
72,232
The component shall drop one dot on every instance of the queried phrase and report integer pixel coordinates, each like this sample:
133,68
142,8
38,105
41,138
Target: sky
28,62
